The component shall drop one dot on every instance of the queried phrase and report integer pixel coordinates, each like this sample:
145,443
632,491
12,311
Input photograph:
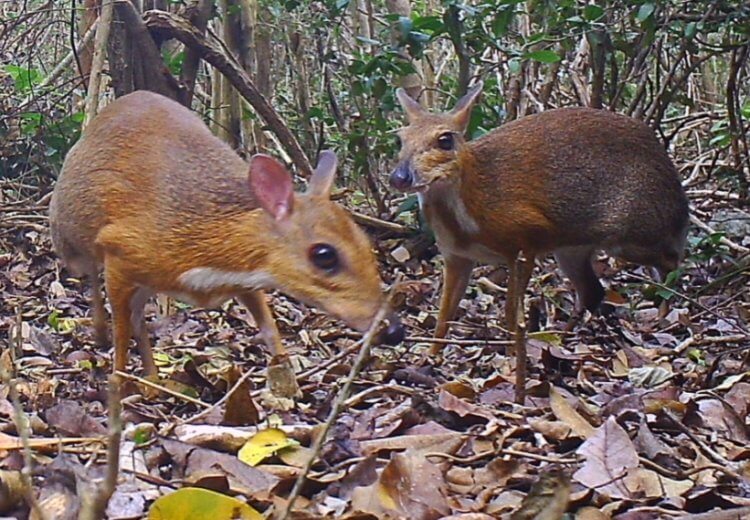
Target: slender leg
456,275
120,293
138,323
100,315
519,280
255,301
280,380
575,262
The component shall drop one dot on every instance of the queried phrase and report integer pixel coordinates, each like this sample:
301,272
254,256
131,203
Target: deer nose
394,333
402,177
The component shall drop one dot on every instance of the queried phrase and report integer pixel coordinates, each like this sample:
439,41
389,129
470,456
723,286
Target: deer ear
461,113
412,108
324,174
272,186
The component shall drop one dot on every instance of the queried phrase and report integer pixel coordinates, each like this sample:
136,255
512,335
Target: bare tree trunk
97,61
86,54
597,56
734,115
198,12
135,62
121,57
230,101
263,62
177,27
297,56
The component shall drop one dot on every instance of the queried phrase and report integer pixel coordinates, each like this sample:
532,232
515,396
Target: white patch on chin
207,279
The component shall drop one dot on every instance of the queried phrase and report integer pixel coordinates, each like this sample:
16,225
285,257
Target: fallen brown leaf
610,455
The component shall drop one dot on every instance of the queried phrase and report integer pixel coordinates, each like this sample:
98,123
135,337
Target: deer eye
446,141
324,257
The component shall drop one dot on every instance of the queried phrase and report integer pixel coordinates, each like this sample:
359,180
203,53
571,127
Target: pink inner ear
272,186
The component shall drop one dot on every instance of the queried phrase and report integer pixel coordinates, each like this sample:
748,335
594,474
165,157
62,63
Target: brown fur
567,181
149,193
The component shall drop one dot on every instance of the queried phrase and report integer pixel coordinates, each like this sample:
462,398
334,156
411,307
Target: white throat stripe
202,279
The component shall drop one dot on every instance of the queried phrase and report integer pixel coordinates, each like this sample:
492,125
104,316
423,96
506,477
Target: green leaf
514,65
315,113
543,56
592,12
24,78
405,25
645,11
409,204
502,20
691,30
428,23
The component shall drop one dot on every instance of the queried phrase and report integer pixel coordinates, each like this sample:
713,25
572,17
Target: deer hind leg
120,293
98,311
456,275
140,331
575,263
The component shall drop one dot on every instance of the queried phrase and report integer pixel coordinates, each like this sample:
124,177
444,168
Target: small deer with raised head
569,181
152,198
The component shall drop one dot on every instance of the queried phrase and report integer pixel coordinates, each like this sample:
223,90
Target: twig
389,387
22,424
367,220
725,514
519,328
723,240
363,355
682,474
338,357
733,322
95,504
503,451
707,450
463,342
166,390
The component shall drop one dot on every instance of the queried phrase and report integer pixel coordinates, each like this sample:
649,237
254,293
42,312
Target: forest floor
629,416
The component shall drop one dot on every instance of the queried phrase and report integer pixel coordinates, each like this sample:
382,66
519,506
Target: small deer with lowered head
152,198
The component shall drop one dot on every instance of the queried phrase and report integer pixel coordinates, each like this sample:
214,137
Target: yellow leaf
264,444
65,325
200,504
553,338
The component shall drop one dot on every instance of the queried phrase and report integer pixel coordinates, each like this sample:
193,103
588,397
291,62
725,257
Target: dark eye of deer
325,257
445,141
